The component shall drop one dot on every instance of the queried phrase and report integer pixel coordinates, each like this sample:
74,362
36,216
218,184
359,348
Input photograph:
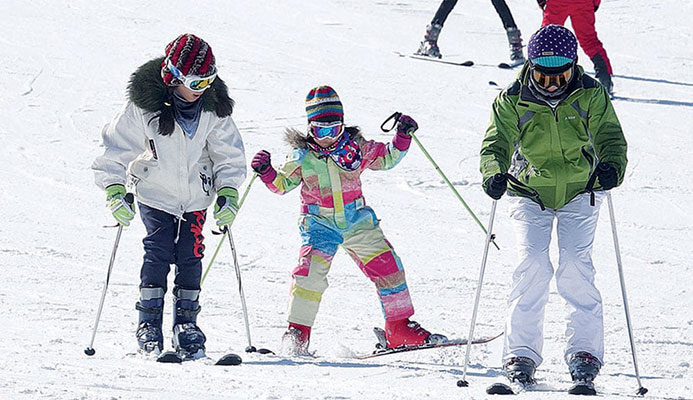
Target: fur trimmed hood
148,91
299,140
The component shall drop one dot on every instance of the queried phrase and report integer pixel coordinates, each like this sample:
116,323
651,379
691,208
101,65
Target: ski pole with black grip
395,118
130,199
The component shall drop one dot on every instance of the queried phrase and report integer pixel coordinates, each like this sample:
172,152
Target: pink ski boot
404,332
296,339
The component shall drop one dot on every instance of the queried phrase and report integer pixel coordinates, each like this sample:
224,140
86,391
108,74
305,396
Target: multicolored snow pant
172,240
581,13
577,221
366,244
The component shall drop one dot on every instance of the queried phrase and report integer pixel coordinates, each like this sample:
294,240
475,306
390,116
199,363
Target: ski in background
467,63
173,357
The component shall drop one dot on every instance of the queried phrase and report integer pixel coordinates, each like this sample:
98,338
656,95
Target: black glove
495,186
607,175
542,3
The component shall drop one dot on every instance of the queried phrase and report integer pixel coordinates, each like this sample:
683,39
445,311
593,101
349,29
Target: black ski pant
501,8
172,240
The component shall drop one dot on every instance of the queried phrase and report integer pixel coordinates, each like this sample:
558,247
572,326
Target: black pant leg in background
504,12
443,11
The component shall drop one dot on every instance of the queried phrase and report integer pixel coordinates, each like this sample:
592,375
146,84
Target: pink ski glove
405,127
263,166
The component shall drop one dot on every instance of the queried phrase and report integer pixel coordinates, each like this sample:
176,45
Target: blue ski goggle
323,130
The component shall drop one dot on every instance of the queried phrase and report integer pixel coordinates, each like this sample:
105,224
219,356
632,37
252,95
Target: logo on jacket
206,183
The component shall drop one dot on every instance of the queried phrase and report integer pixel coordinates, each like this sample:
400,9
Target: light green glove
122,210
226,206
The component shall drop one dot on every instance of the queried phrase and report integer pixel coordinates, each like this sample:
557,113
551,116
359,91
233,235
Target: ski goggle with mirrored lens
547,78
193,82
323,130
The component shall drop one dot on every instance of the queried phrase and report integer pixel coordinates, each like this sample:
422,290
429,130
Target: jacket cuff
401,141
269,175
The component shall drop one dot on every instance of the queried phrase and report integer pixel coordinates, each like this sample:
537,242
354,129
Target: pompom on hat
552,46
191,55
323,105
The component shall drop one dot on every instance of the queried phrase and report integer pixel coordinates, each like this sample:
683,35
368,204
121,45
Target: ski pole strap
589,188
395,117
524,190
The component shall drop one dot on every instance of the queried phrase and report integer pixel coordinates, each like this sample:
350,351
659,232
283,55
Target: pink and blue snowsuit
333,214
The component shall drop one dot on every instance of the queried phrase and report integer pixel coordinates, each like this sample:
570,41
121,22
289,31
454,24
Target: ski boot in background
429,46
584,367
602,73
515,42
188,339
404,332
151,306
295,340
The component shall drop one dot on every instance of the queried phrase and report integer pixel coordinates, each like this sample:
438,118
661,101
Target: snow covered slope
63,72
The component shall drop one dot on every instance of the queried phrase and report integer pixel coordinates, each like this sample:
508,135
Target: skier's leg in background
583,20
530,291
514,35
429,46
504,13
555,12
444,10
577,222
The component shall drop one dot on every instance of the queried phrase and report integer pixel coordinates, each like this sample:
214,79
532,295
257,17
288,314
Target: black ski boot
584,367
602,73
188,339
151,306
520,370
515,41
429,46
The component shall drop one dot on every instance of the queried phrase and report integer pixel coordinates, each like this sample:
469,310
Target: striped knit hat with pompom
323,105
191,55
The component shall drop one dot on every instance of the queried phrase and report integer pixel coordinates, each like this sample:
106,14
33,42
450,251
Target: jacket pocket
141,169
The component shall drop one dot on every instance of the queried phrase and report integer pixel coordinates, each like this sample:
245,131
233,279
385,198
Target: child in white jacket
176,144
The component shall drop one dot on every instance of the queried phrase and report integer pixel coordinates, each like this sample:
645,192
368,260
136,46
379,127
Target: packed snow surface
63,74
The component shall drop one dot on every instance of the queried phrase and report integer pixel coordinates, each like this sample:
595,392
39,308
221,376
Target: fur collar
147,91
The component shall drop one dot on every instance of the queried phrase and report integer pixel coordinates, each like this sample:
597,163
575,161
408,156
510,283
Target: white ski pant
576,226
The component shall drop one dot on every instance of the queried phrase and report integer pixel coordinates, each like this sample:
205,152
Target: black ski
467,63
173,357
169,357
511,65
583,388
501,388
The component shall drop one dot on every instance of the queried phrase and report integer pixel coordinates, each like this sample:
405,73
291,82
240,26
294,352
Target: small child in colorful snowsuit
176,143
327,163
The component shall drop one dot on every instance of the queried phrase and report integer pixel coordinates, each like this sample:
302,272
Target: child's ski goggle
323,130
546,79
193,82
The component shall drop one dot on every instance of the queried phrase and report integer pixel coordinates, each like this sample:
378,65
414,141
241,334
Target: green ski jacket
553,149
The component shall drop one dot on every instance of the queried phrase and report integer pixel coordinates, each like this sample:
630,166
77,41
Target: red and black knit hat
191,56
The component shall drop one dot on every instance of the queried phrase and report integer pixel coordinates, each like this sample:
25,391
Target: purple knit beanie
552,46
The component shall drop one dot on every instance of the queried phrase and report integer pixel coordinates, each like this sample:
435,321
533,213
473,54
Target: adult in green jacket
555,140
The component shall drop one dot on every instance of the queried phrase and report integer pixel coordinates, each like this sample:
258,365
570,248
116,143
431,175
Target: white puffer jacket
171,173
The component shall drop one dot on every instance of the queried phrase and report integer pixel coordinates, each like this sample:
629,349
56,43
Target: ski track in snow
64,76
